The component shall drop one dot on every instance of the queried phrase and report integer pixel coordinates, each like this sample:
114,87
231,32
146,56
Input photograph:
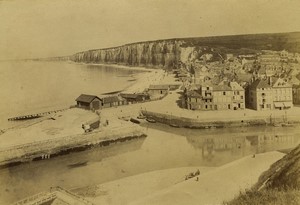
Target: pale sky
44,28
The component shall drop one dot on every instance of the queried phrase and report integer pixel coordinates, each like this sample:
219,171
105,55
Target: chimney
270,81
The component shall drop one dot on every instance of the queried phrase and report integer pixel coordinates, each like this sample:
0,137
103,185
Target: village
206,80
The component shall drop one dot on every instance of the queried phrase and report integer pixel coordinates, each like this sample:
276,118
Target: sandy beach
214,185
142,81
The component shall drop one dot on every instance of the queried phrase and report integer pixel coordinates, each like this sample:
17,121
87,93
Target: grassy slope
278,185
274,41
244,43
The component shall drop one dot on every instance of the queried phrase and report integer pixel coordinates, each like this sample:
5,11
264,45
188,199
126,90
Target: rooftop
86,98
158,87
260,83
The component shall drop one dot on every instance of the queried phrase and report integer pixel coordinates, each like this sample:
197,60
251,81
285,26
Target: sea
29,87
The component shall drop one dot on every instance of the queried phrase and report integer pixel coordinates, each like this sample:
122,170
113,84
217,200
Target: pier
46,149
37,115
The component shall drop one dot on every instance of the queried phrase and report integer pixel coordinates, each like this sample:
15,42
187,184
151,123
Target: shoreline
139,68
60,134
142,81
168,186
48,149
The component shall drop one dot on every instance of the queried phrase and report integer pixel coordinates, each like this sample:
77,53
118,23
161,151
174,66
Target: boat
78,164
141,117
151,120
136,121
174,125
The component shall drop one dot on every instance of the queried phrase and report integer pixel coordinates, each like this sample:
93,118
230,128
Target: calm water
34,86
29,87
164,148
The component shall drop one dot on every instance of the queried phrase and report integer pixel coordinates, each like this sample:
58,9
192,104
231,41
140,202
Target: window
205,106
207,88
242,97
237,92
224,93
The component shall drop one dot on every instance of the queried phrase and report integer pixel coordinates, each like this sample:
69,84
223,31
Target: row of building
224,96
93,102
262,94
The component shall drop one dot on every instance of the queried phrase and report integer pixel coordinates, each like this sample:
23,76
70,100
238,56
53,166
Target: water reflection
241,144
31,178
164,148
220,146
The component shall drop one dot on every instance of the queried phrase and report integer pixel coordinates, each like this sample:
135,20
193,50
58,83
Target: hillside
167,53
278,185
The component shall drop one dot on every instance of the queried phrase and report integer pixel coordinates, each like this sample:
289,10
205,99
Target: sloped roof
235,86
193,93
262,71
86,98
132,95
221,87
295,81
158,87
129,95
260,83
280,83
111,99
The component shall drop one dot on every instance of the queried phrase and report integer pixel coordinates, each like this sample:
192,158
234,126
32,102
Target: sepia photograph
149,102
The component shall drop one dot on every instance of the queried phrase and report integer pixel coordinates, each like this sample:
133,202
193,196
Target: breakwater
17,154
177,121
36,115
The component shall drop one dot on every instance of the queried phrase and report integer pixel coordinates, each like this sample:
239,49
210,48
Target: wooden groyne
36,115
46,149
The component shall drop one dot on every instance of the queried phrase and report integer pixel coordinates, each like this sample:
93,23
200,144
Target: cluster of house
93,102
262,94
224,96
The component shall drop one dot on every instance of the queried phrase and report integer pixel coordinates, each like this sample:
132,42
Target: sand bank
140,68
126,190
169,187
219,185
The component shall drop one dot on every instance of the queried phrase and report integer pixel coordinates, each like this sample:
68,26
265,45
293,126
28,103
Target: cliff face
167,53
164,54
